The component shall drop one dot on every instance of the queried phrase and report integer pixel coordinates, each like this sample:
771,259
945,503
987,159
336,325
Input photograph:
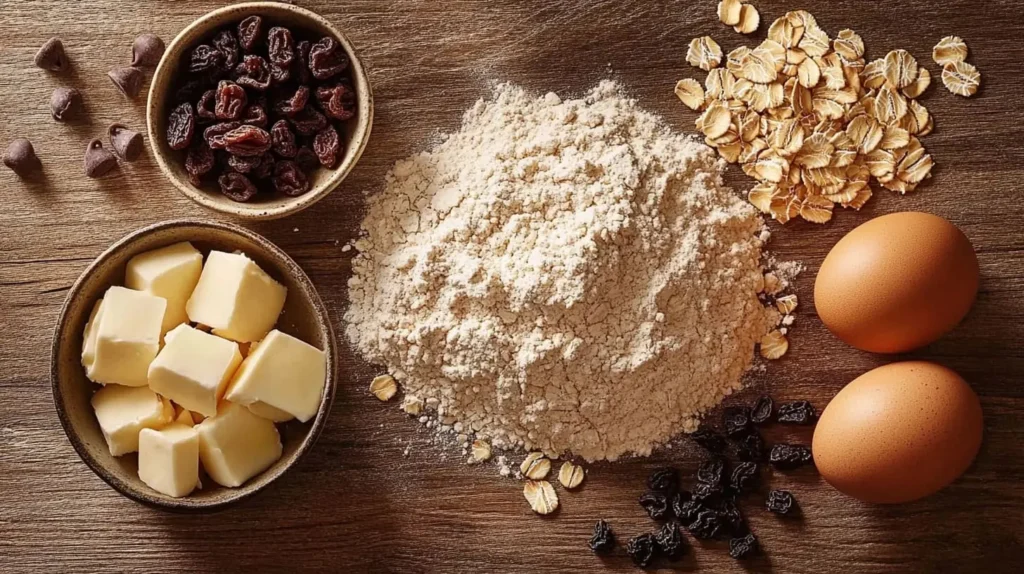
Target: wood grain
376,495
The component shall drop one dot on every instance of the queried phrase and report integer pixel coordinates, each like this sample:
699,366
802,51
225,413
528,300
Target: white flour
565,276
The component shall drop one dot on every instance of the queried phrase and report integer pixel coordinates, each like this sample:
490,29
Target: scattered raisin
244,164
603,540
198,162
249,32
685,509
712,472
656,504
780,502
327,58
247,140
736,420
707,496
253,73
282,140
236,186
750,446
301,63
706,525
280,46
744,477
327,146
294,104
181,125
231,100
732,519
709,440
226,43
214,135
266,166
206,108
306,158
789,456
205,58
664,480
642,549
280,74
338,101
190,90
289,179
762,411
670,541
309,121
799,412
255,115
743,546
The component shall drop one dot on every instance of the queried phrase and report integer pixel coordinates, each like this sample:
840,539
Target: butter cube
127,337
124,411
235,297
236,445
169,459
194,368
170,272
89,336
284,373
262,409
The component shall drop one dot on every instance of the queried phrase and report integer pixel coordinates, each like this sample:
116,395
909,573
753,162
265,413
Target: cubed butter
89,336
262,409
193,368
169,459
185,418
170,272
124,411
282,372
236,445
235,297
127,337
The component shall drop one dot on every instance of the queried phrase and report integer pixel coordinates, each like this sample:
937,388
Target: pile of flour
563,276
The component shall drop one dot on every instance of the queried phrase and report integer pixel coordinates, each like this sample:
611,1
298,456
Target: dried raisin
603,540
706,525
736,420
743,547
327,58
750,446
280,74
789,456
282,140
685,508
338,101
190,90
799,412
656,504
780,502
306,158
236,186
295,104
266,166
744,477
289,179
214,135
255,115
280,46
309,121
244,164
206,108
641,549
327,146
231,100
181,125
199,160
205,58
762,411
247,140
253,73
732,519
670,541
226,43
250,31
663,480
709,440
712,472
301,63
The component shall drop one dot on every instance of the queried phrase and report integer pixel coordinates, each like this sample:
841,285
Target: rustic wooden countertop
375,494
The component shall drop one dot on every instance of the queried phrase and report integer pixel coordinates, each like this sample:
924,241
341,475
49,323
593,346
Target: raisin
289,179
709,440
712,472
685,509
266,166
206,107
247,140
295,104
236,186
282,140
762,411
301,63
780,502
656,504
226,43
750,446
327,146
642,549
306,158
670,541
243,164
663,480
181,125
280,46
255,115
309,121
706,525
707,496
327,58
736,420
190,90
799,412
280,74
199,161
253,73
338,101
231,100
214,135
744,477
789,456
743,546
603,540
732,519
249,32
205,58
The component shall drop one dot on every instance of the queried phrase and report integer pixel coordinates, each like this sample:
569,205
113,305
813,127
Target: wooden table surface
375,494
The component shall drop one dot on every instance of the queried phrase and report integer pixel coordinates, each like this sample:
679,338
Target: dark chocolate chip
98,161
21,157
128,79
127,143
52,56
65,104
147,49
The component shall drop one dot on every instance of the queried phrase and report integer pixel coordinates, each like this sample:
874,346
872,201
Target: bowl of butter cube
192,364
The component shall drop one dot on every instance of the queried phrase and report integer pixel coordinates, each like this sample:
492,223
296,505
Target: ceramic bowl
166,81
304,316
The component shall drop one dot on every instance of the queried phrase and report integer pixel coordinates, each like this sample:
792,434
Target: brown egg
897,282
898,433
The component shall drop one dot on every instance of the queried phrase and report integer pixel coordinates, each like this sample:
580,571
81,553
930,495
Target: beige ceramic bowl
304,317
166,81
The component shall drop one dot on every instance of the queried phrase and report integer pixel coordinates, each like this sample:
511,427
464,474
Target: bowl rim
364,118
182,504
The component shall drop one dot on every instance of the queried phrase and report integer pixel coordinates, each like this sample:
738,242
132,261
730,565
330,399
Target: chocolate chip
127,143
127,79
52,56
147,50
65,103
98,161
21,157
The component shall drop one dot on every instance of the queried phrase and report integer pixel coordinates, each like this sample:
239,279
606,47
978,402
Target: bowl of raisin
259,110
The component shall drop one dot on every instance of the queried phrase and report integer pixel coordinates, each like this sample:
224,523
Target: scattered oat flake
849,45
749,20
774,345
716,120
704,53
384,387
729,12
900,68
949,50
541,496
690,93
816,209
787,304
571,475
924,79
961,78
536,466
480,451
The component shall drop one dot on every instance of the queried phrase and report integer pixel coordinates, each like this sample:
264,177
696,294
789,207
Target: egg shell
897,282
898,433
